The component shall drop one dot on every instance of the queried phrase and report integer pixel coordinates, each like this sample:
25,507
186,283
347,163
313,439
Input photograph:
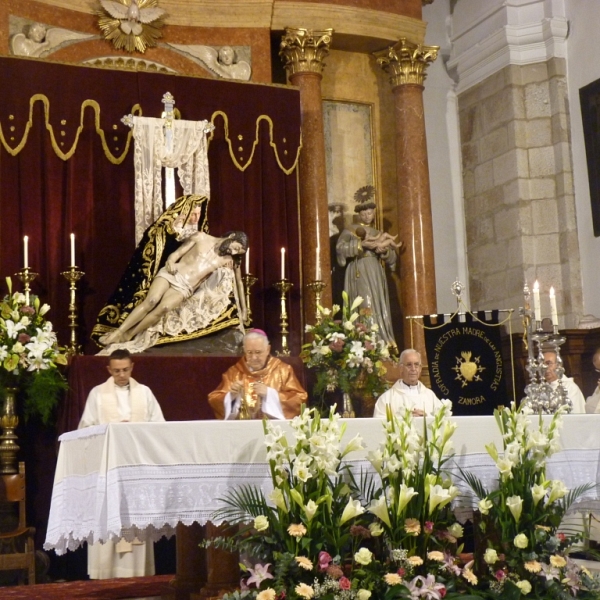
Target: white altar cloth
126,479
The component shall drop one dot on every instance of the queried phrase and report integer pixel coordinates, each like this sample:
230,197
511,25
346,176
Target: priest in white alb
120,399
408,391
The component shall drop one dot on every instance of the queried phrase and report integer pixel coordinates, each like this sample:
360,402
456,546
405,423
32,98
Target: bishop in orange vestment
258,385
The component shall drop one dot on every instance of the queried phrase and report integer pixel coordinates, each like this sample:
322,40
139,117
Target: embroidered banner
465,362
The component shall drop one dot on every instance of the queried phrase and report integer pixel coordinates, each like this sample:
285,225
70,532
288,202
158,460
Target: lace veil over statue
212,307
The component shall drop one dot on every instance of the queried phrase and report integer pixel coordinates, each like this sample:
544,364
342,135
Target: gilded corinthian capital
303,50
406,62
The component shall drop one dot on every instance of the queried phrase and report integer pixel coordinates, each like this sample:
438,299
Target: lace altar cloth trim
149,501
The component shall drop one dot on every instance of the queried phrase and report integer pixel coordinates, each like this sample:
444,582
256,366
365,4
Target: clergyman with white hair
408,391
258,385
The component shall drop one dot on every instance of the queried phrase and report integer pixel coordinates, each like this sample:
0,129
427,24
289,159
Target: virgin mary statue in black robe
212,307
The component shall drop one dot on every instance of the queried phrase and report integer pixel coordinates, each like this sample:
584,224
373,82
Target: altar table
148,477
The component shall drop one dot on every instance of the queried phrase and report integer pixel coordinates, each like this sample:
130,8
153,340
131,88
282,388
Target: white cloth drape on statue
189,155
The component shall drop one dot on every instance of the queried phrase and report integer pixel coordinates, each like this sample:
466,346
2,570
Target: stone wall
519,202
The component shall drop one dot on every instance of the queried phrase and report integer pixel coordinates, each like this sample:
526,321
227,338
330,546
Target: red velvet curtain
49,109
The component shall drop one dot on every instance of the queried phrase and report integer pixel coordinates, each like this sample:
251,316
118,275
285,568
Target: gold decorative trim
273,145
406,62
303,50
128,63
13,149
117,160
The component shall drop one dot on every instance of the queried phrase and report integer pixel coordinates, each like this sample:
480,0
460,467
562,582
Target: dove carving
131,24
132,17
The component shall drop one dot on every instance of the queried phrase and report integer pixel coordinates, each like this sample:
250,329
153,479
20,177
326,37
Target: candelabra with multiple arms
540,396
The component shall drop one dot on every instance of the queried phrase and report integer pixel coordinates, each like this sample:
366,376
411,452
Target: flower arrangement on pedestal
524,554
346,353
29,354
325,535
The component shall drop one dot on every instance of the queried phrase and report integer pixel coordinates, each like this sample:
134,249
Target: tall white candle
72,249
283,263
318,270
536,301
248,260
26,251
553,311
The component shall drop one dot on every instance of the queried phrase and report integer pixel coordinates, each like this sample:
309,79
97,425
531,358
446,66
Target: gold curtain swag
118,158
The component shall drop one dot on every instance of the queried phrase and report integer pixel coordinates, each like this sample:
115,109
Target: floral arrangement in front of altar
321,534
524,554
346,351
29,354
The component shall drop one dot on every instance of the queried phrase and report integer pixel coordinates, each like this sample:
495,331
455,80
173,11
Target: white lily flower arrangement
346,352
29,354
524,551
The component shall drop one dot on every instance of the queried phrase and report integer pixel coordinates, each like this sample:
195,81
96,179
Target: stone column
302,52
405,62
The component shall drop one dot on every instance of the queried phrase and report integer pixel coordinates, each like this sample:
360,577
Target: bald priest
268,385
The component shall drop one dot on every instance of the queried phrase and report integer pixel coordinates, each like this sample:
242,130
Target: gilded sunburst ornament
131,24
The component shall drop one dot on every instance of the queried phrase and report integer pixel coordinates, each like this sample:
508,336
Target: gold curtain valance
116,139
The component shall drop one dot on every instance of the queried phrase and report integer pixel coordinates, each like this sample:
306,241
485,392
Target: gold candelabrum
317,288
284,286
249,281
73,275
26,276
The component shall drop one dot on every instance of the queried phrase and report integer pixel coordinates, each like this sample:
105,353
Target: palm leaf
243,503
366,487
574,494
474,483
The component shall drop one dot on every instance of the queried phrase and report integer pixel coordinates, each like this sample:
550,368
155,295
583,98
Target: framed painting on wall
589,97
350,166
348,149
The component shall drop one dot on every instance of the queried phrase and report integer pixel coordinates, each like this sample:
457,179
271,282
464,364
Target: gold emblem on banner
466,369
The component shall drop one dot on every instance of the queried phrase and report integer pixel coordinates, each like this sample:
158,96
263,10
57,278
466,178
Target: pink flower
27,310
344,583
369,346
259,574
401,571
426,587
324,560
337,346
334,572
428,526
360,531
23,338
499,574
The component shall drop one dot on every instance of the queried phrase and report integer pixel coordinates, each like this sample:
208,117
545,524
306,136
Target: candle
72,249
282,264
318,276
248,260
25,252
553,312
536,301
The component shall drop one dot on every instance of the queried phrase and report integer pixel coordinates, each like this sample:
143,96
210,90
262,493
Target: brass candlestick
249,281
284,286
26,275
73,275
8,440
317,287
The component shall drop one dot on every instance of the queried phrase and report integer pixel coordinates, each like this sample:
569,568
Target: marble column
406,62
302,52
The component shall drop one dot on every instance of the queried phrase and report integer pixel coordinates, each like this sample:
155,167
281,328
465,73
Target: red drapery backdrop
66,166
